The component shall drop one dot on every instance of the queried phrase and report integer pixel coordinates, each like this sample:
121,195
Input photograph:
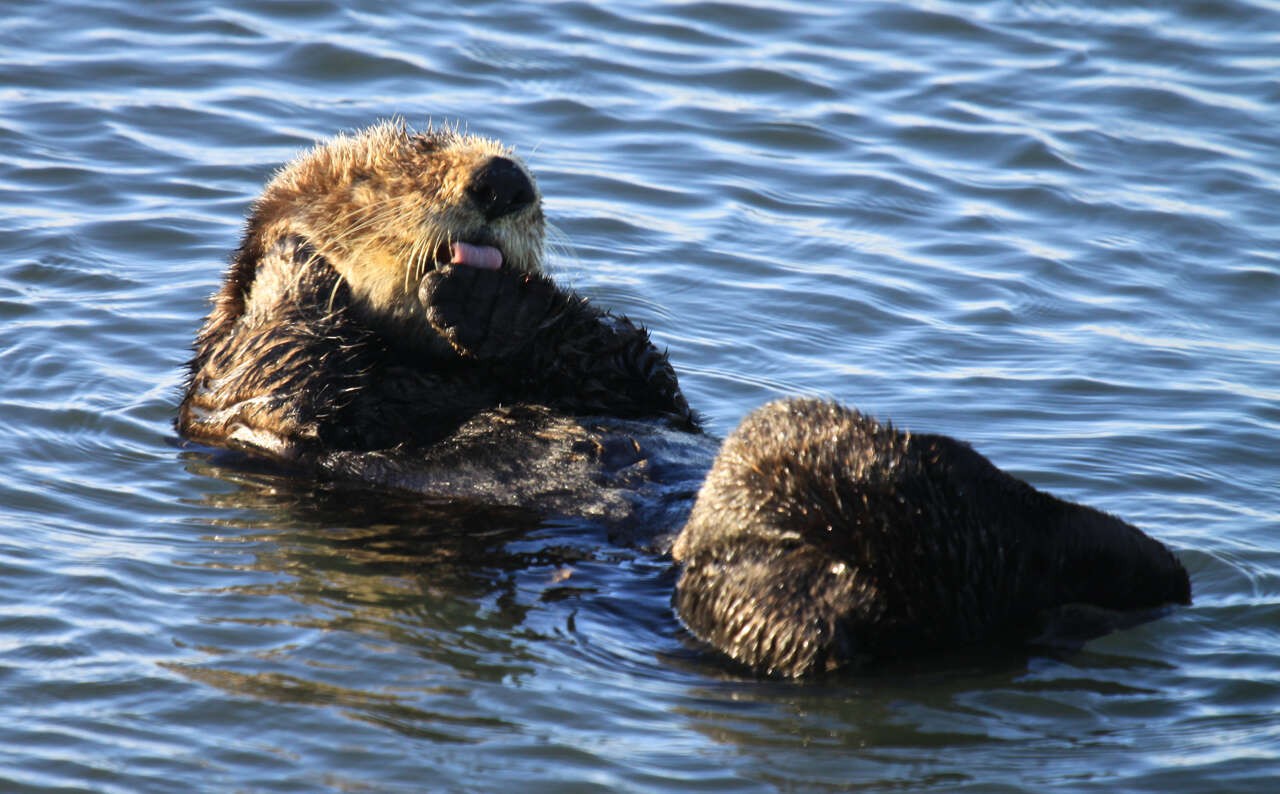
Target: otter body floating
386,313
822,538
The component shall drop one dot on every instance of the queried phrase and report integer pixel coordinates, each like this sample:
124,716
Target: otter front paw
487,314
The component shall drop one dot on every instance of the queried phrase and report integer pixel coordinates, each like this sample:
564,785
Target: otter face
386,206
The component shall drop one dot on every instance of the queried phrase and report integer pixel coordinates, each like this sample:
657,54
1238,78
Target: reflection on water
387,571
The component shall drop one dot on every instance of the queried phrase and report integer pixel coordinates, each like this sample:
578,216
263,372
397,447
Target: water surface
1048,228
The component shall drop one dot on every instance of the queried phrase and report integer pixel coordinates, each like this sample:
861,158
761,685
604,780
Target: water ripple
1044,227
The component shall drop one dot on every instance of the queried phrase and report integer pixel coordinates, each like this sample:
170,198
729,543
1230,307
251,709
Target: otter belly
636,475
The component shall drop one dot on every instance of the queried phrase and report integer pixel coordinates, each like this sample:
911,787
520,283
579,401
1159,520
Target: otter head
387,205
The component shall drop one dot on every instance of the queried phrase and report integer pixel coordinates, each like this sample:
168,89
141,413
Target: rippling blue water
1049,228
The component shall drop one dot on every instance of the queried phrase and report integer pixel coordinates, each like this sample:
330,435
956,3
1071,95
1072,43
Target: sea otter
822,538
386,320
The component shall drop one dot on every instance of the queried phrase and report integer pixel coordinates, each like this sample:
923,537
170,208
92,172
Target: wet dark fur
821,538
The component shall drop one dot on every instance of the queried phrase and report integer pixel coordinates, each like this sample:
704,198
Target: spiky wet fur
822,537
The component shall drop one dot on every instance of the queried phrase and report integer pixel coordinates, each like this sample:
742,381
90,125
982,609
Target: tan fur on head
384,204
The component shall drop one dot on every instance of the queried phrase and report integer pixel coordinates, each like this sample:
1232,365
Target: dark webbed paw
487,314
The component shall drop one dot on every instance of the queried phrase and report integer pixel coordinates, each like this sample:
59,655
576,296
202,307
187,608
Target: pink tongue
485,257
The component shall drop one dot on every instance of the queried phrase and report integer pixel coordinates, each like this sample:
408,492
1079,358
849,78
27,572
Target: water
1048,228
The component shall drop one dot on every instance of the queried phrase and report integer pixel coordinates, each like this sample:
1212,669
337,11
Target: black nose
499,187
